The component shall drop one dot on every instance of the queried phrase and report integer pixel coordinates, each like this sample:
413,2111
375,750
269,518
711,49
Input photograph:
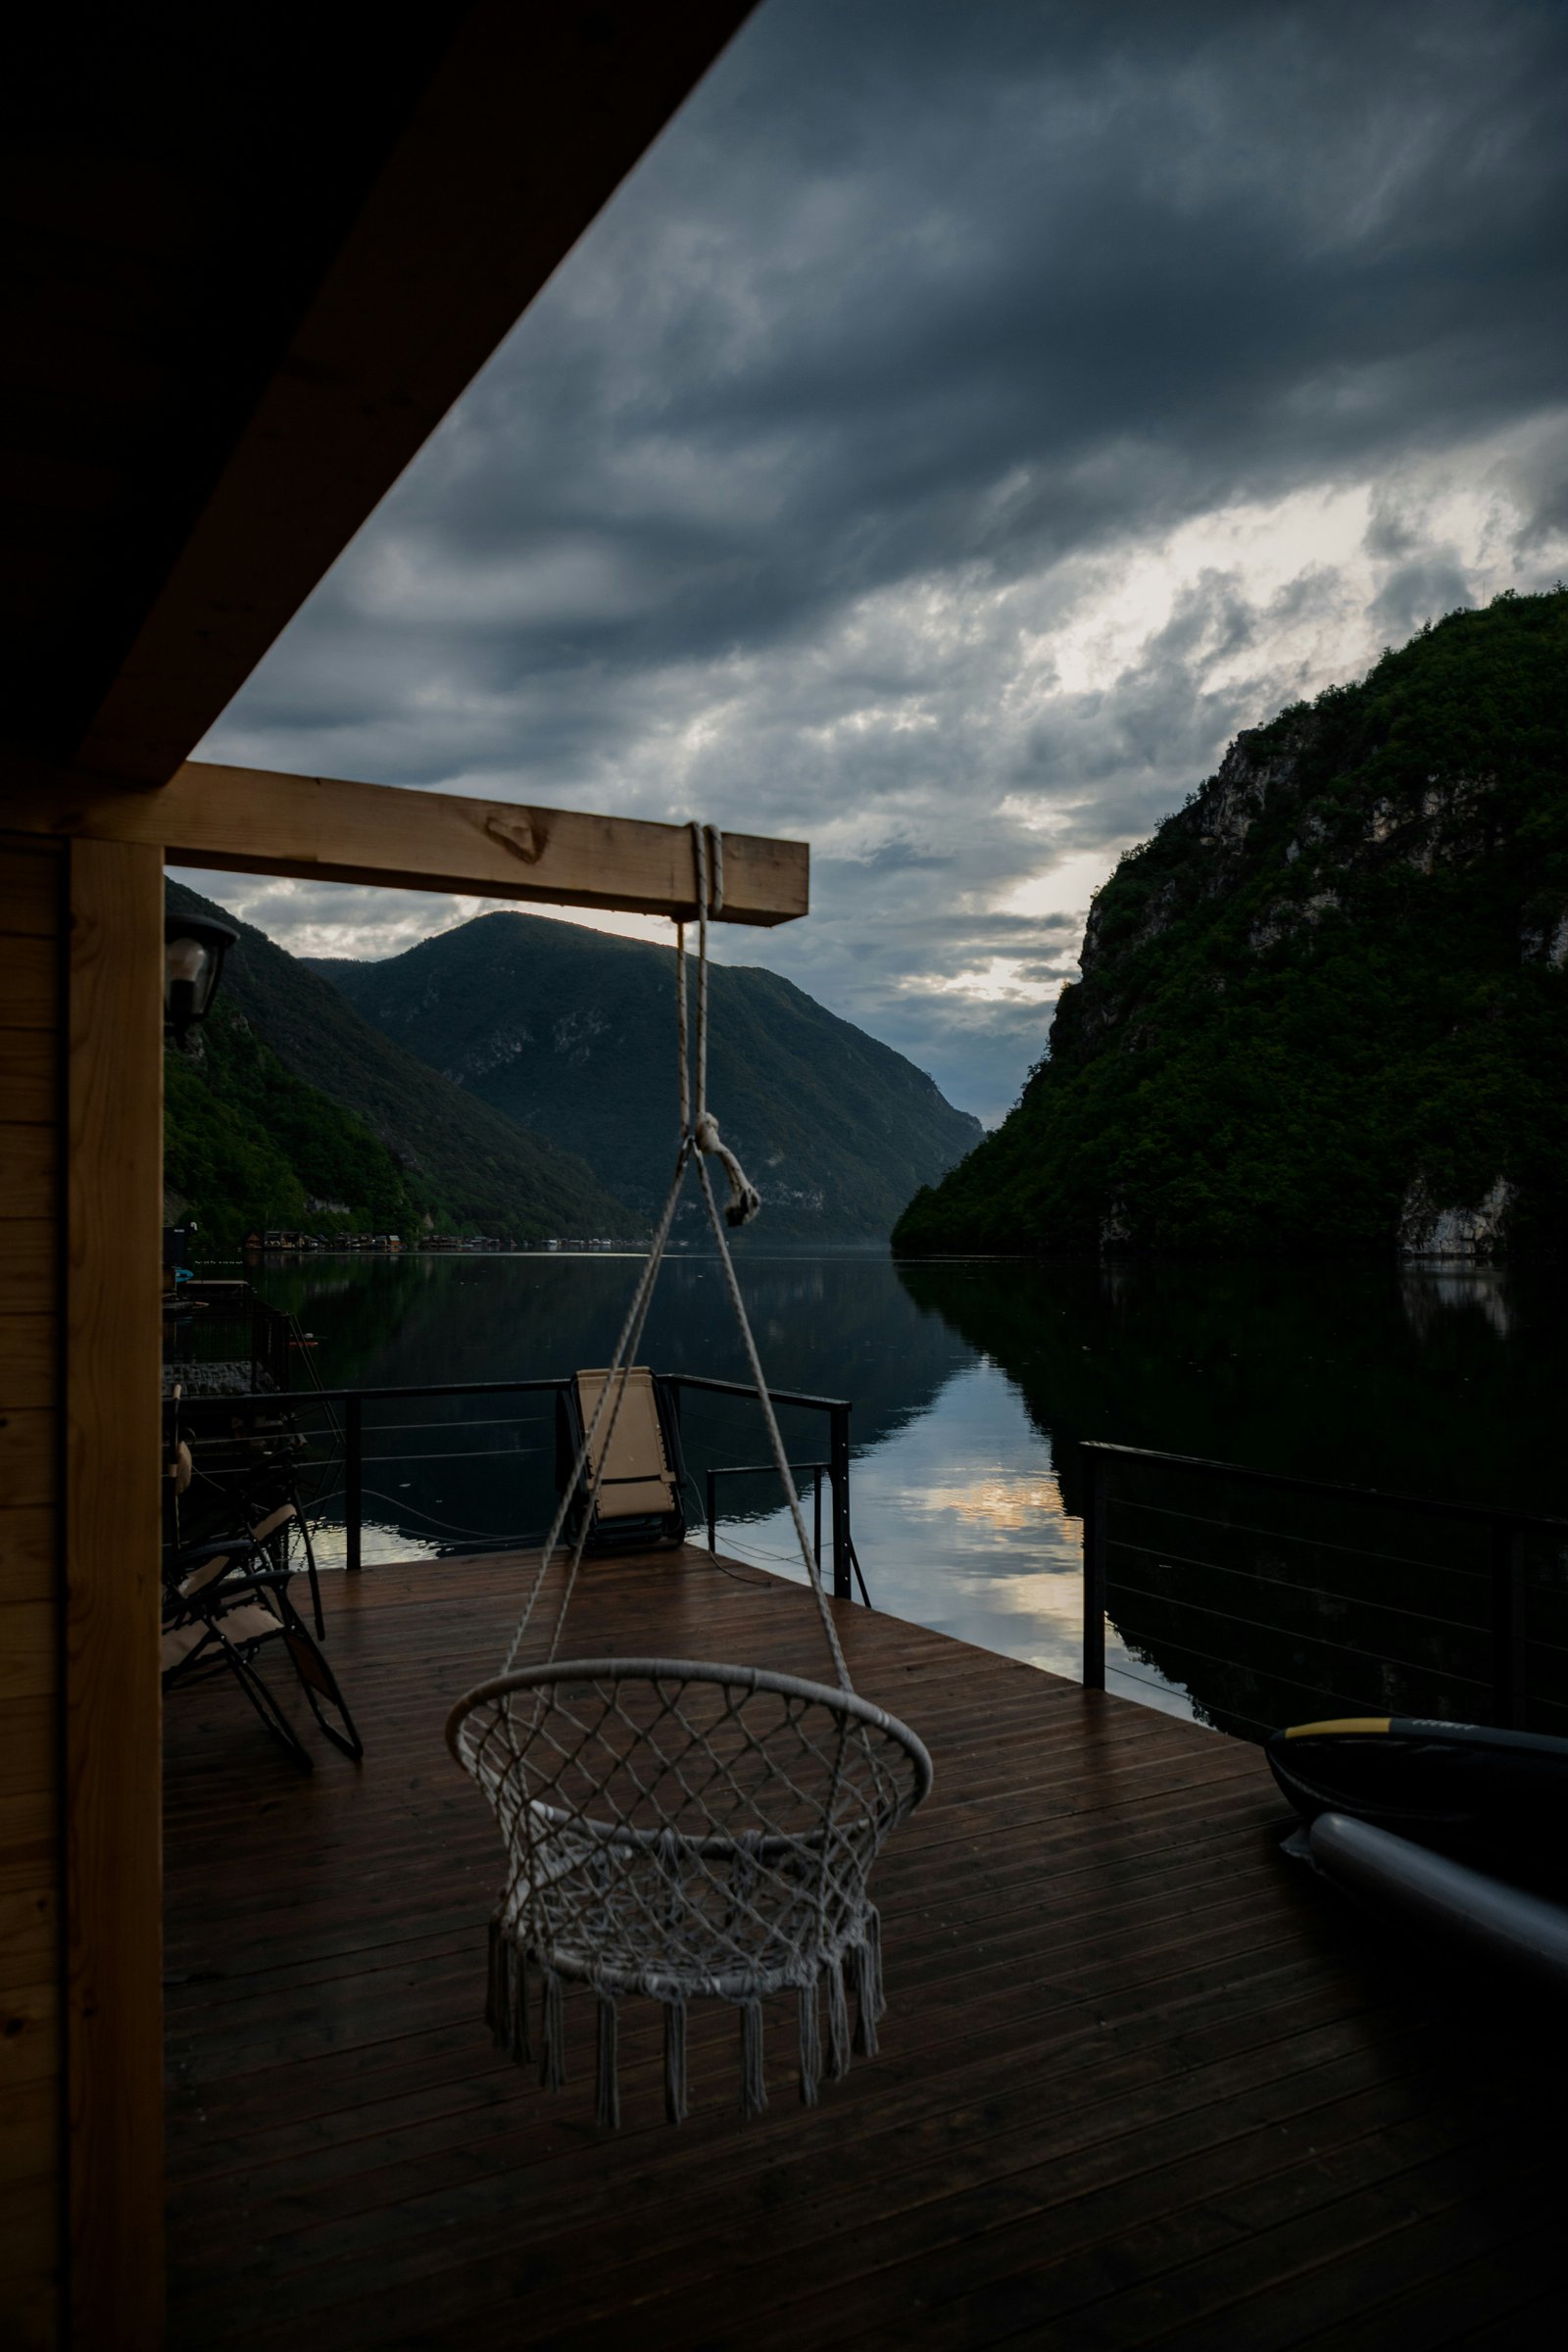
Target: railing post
839,1475
712,1512
817,1519
353,1480
1507,1624
1094,1579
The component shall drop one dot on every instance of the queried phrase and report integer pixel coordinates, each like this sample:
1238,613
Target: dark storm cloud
1414,592
921,322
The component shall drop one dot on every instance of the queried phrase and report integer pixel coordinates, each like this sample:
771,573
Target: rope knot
743,1198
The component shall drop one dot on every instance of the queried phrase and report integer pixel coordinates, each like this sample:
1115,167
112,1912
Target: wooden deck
1141,2081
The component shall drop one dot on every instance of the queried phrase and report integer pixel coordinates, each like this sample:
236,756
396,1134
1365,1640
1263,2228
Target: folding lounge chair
223,1602
253,1492
641,1498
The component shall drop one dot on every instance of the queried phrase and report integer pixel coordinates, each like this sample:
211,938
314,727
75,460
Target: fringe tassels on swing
869,2006
506,2016
811,2046
607,2106
506,2008
675,2061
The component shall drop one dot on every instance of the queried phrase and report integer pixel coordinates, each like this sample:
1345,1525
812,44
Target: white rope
742,1205
677,1829
610,1395
700,1139
774,1438
708,850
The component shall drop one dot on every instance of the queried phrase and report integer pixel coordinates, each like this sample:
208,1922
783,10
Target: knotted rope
678,1830
708,850
699,1140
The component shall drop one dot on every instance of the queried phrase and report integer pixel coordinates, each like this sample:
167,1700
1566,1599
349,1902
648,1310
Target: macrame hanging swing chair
675,1830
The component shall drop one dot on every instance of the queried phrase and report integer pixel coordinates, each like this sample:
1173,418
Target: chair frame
205,1585
647,1529
248,1574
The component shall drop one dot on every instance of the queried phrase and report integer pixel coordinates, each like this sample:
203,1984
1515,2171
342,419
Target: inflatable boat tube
1474,1915
1487,1796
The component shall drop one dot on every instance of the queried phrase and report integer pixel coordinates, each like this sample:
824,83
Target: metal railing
798,1471
345,1412
226,1323
845,1560
1501,1629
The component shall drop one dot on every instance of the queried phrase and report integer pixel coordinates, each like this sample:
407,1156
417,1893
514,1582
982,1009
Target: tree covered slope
572,1032
1325,1006
286,1096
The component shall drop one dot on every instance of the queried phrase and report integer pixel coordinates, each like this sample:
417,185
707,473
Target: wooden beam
113,1710
252,820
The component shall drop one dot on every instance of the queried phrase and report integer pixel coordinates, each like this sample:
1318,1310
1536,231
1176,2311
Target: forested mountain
572,1032
1325,1006
286,1109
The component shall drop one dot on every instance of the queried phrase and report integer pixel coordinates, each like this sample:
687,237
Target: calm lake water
973,1384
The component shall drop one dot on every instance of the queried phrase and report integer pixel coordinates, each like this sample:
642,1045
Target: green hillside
1325,1006
248,1144
572,1032
286,1096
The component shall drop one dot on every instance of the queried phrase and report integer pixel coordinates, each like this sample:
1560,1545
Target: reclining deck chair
224,1601
641,1496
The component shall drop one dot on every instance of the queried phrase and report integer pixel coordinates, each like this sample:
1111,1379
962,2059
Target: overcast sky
968,416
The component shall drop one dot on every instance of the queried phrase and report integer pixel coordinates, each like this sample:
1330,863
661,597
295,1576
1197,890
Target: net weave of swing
677,1829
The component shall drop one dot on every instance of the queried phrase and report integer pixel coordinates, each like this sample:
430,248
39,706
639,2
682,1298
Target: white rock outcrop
1476,1233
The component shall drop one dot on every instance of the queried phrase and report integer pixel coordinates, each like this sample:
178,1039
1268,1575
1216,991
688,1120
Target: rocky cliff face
1326,1005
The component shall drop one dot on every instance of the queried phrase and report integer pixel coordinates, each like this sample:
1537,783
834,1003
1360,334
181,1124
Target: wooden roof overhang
255,257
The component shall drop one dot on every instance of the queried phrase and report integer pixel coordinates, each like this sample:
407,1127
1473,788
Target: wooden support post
112,1712
32,925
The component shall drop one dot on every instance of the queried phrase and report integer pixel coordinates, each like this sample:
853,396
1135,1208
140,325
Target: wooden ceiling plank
322,828
528,124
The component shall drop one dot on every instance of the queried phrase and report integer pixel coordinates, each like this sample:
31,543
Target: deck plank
1139,2081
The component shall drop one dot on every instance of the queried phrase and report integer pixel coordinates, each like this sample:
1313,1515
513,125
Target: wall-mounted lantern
193,959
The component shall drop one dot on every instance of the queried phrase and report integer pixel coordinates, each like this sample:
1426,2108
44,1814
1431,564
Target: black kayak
1477,1916
1495,1797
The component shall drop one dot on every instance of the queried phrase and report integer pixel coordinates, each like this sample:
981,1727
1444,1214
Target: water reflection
960,1524
1429,1291
974,1386
834,1327
1430,1381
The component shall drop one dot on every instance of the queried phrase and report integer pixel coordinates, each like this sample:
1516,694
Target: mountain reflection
1434,1382
1426,1381
974,1386
838,1326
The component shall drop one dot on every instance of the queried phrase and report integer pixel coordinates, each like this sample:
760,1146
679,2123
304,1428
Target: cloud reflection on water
959,1526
